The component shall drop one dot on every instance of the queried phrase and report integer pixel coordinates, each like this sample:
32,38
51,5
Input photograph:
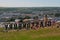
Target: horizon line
41,6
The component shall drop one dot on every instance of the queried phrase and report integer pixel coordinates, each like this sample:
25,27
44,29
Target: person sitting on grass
37,25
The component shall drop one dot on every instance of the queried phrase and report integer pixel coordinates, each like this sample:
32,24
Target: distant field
41,34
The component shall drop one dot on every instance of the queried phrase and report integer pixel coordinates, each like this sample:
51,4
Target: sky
29,3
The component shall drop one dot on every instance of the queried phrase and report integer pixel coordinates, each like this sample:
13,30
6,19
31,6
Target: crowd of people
26,25
35,24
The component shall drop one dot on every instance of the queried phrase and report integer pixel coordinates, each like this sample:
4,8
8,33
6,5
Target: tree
36,17
10,19
57,15
27,17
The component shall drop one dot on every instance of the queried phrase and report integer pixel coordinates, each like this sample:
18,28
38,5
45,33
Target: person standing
20,26
49,23
32,25
6,27
41,24
10,26
28,26
15,26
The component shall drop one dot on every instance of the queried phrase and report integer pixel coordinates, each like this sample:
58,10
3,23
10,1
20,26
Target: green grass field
41,34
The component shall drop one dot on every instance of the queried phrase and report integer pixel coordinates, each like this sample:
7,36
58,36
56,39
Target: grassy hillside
41,34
